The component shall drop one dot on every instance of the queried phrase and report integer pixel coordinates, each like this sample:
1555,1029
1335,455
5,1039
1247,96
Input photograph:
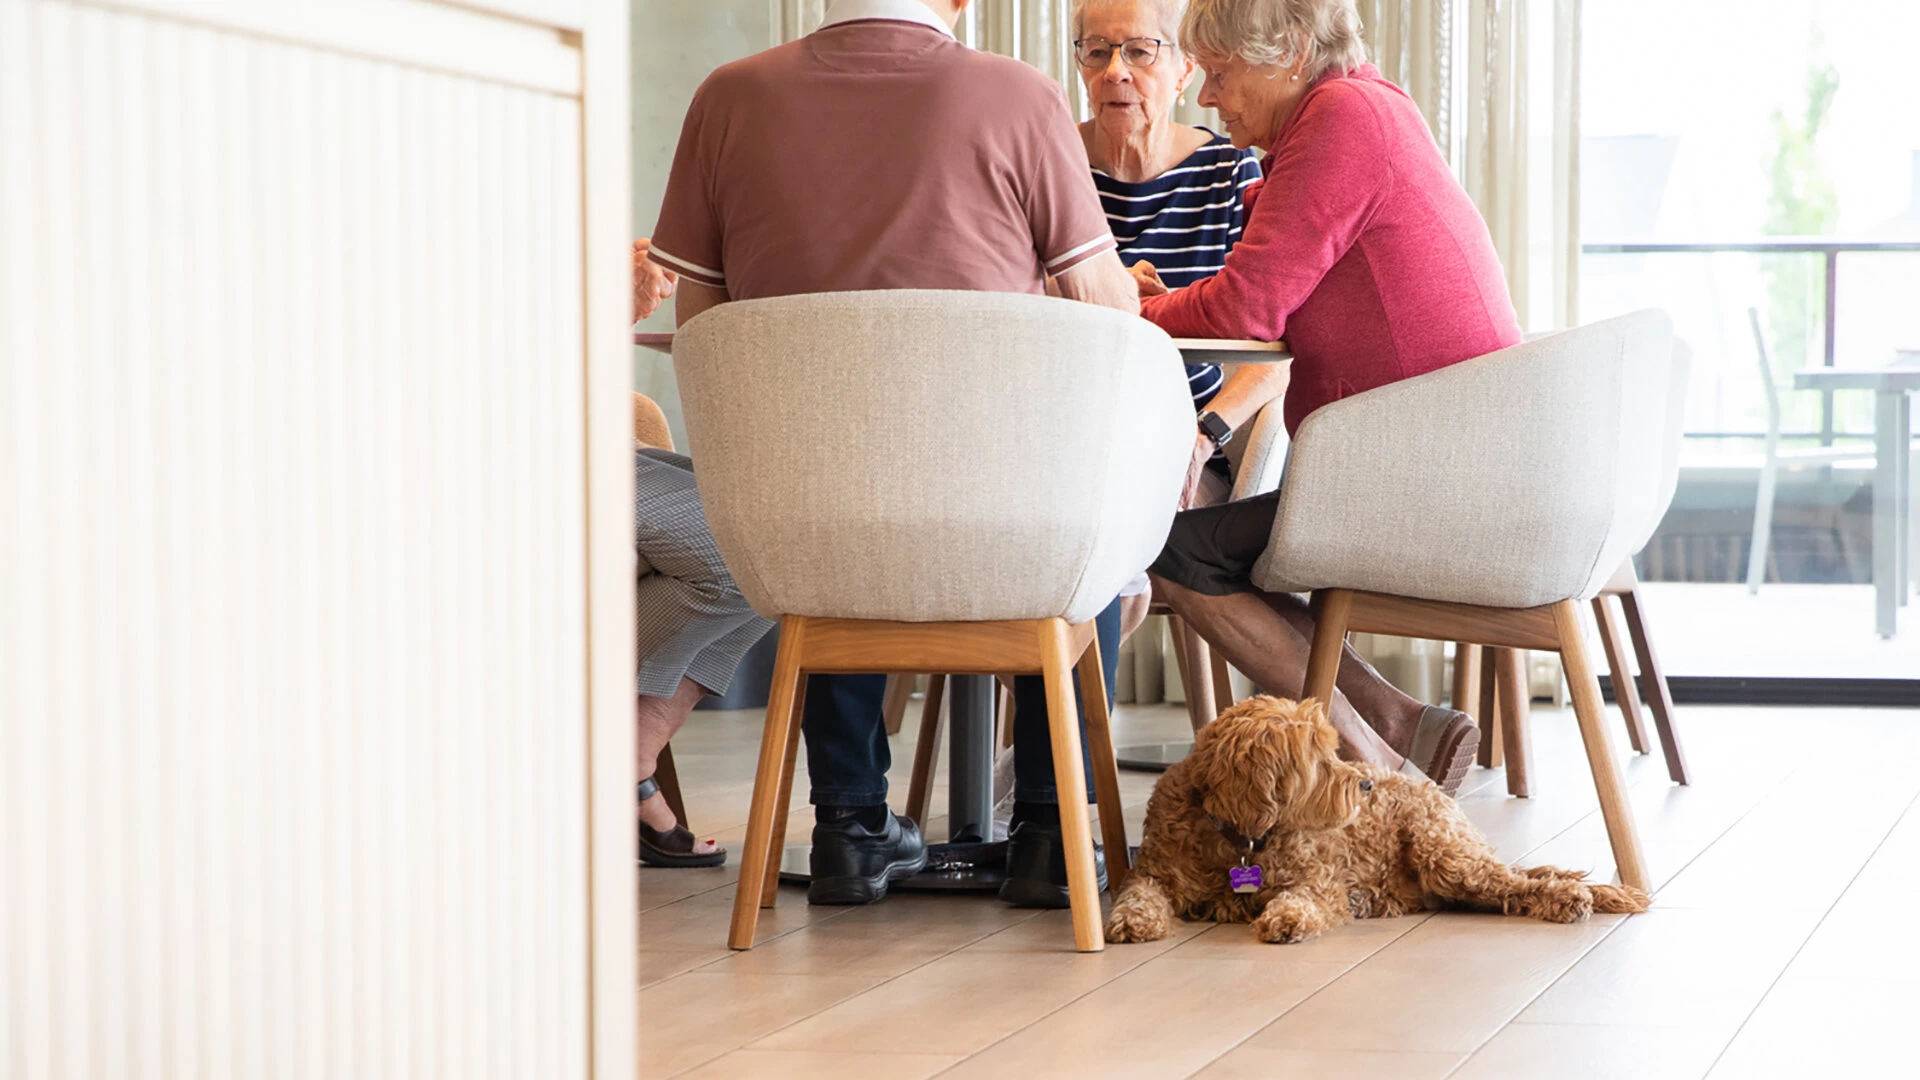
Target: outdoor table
1892,463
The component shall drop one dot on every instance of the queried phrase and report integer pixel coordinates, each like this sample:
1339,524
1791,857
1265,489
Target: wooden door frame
607,377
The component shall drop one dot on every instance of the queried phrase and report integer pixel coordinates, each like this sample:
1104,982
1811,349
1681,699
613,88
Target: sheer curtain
1035,31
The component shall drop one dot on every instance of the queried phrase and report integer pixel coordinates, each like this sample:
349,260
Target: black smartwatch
1216,429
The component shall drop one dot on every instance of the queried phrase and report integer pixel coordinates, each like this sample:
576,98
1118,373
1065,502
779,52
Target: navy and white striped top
1183,222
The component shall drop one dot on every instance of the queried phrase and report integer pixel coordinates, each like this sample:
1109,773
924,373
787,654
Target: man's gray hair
1261,32
1169,12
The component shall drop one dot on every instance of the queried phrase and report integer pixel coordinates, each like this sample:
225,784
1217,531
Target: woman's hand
1203,450
1148,279
652,283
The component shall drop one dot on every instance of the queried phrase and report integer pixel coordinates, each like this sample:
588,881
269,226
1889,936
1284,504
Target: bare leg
1261,642
1392,713
655,721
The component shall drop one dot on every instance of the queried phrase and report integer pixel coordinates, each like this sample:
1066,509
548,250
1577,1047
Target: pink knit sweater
1360,250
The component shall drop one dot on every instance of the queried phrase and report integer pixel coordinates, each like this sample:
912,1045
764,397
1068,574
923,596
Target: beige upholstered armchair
935,481
1483,502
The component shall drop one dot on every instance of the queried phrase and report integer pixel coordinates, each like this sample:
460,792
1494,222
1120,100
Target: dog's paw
1574,903
1359,904
1282,927
1127,924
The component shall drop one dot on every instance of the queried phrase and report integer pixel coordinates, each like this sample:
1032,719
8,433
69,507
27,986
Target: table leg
1913,507
1887,434
1903,493
970,758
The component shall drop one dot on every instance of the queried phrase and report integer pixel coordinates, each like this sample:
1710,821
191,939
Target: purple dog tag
1244,879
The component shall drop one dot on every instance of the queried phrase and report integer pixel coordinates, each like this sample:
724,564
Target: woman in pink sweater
1362,252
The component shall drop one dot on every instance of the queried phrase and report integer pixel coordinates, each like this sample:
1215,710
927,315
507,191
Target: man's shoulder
749,72
1005,83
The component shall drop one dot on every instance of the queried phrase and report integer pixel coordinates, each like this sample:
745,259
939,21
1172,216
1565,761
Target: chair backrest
650,424
924,456
1516,479
1259,455
1767,385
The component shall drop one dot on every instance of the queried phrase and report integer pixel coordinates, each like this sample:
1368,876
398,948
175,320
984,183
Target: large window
1750,164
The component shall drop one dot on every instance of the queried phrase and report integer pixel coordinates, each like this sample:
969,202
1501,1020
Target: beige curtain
1035,31
1494,169
1412,43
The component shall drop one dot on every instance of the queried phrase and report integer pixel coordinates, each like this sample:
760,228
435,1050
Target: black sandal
674,847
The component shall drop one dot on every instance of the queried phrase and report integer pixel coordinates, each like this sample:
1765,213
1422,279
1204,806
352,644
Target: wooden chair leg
1197,670
926,750
1624,692
1331,608
1516,728
1177,631
1466,679
1653,684
1063,723
770,886
1622,833
894,704
1003,712
1493,750
1106,771
1222,682
756,851
668,778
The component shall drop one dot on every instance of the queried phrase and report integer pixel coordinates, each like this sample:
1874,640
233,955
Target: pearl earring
1296,78
1183,100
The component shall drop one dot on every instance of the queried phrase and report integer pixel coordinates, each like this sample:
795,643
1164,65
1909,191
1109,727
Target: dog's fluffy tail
1619,899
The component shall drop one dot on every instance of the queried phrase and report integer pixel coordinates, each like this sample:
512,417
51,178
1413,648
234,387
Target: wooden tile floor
1780,944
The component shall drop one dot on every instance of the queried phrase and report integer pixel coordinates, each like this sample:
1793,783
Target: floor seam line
1277,1017
868,990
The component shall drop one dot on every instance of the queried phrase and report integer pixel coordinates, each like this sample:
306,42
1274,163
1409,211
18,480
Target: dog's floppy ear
1311,792
1314,712
1237,764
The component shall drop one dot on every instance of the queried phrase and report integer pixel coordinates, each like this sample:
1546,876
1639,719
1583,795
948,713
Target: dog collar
1239,839
1248,877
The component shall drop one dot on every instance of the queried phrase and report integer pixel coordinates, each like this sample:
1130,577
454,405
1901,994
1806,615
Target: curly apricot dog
1262,823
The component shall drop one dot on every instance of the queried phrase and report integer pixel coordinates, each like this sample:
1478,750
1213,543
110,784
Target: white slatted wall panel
292,738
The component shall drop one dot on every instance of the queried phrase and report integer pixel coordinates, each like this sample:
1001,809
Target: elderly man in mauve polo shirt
880,153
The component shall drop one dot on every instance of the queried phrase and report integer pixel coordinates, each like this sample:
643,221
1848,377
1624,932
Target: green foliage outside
1801,203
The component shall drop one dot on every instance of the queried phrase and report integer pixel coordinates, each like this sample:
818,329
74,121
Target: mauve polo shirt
877,154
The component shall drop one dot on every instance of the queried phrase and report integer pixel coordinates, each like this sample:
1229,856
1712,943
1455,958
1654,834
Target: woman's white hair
1262,32
1169,11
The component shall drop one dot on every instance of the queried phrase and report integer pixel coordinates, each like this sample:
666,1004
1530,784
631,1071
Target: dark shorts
1212,549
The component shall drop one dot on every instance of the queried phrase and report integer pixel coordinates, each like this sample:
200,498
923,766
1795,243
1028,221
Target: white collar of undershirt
912,11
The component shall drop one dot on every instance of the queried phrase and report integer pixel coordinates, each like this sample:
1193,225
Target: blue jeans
847,751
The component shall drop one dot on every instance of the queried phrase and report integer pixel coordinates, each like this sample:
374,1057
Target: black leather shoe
853,865
1037,867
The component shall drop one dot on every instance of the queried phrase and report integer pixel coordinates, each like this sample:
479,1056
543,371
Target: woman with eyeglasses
1172,197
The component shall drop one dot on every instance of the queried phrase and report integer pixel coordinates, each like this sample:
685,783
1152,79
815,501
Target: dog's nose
1366,787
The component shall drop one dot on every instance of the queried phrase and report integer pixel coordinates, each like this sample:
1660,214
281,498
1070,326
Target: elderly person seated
1172,198
1362,251
693,625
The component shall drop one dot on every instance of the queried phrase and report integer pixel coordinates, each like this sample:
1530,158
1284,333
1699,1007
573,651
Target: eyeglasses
1137,52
